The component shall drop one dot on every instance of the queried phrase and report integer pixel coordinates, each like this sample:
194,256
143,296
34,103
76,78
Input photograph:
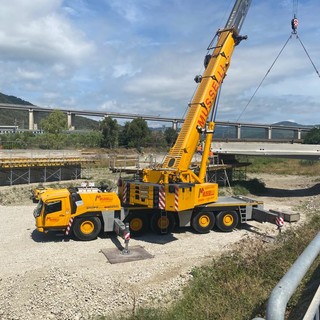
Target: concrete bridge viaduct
236,127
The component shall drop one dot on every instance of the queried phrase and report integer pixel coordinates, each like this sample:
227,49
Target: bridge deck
295,150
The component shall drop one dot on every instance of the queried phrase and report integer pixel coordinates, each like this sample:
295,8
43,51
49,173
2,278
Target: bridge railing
283,291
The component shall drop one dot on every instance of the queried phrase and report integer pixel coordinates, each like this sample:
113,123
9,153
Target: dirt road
43,277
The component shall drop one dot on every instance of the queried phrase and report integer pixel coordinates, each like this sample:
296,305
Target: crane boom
174,186
175,167
238,14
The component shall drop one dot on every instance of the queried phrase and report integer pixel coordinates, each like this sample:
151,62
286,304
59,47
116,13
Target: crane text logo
103,198
206,193
219,75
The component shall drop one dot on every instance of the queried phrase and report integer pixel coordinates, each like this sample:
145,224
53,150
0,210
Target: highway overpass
234,130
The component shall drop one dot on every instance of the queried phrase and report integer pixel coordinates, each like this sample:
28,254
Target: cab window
53,207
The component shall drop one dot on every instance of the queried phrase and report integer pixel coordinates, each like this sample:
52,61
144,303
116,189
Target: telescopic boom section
181,154
175,167
238,14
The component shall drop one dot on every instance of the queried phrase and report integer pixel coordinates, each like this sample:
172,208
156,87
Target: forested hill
14,117
13,100
20,118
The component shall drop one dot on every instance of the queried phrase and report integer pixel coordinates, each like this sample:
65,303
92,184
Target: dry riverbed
44,277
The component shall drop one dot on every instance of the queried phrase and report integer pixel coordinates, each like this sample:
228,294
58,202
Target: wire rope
295,5
305,50
265,76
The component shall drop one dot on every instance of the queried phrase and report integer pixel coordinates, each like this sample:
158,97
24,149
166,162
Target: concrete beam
285,150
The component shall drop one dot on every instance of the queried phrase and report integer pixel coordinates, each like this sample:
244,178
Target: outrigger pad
115,255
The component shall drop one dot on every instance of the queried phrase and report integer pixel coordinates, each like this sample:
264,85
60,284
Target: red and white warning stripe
176,198
127,236
279,221
124,194
69,226
162,198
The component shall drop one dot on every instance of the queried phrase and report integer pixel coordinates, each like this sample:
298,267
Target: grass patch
252,186
244,188
238,284
281,166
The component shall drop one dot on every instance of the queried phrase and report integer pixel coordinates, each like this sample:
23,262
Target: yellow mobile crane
173,191
171,194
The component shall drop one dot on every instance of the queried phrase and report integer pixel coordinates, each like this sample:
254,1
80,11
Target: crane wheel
227,220
203,222
86,229
138,224
162,222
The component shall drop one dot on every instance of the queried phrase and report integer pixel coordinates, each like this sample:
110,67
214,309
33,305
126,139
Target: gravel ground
44,277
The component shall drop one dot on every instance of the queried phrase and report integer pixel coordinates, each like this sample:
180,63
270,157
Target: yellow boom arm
176,164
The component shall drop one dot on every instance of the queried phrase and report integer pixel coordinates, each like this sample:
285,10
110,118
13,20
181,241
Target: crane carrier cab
87,209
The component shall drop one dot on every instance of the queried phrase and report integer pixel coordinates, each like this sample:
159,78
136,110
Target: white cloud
29,75
124,70
131,10
110,105
38,32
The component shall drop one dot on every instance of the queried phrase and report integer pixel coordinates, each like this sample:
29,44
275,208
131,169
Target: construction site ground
44,277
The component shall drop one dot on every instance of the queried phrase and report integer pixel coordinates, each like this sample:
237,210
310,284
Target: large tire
203,222
86,229
138,224
162,222
227,220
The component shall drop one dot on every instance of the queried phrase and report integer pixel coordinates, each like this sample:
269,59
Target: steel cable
305,50
260,84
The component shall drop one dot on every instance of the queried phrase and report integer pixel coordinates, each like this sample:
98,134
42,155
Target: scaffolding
29,170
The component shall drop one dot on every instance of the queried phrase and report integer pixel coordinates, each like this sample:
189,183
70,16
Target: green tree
123,139
312,137
170,135
110,133
55,123
136,133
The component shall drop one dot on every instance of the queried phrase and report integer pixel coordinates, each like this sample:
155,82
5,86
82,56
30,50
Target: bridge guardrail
286,287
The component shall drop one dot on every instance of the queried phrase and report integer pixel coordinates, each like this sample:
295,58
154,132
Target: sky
141,56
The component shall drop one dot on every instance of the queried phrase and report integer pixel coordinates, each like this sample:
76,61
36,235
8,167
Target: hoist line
260,84
305,50
295,4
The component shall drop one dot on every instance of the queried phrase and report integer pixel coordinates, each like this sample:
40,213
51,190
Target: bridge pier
268,133
175,125
297,134
238,131
70,119
31,120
